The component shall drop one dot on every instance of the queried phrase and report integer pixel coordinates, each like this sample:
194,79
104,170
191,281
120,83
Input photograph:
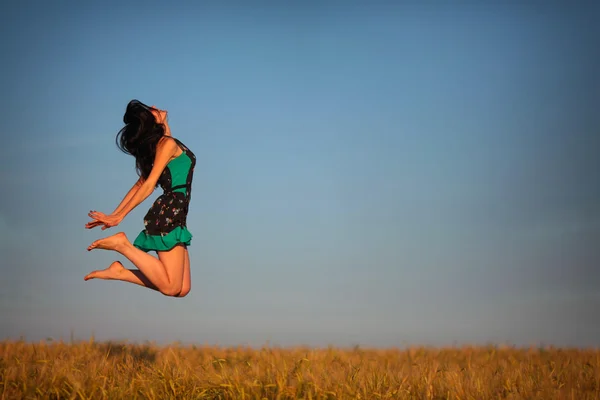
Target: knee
171,292
184,291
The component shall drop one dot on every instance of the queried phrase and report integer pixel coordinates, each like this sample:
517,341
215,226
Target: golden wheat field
92,370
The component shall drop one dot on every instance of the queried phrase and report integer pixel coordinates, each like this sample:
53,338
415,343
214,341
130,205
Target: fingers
99,219
91,225
96,215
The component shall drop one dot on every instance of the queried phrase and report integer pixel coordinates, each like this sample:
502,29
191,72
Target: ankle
123,243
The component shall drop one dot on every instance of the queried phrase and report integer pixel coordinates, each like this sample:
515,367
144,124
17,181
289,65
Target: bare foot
112,272
109,243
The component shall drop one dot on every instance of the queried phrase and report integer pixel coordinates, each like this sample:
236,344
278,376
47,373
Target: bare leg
166,273
117,272
187,278
175,256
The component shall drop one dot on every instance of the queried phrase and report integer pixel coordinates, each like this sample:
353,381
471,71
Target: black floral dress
165,224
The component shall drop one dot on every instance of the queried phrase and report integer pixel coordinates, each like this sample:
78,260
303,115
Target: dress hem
178,236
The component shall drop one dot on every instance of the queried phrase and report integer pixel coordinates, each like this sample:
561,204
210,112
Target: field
92,370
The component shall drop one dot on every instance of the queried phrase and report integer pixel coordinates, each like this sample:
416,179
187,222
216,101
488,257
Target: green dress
165,224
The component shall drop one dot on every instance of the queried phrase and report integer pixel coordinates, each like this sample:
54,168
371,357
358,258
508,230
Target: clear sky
367,173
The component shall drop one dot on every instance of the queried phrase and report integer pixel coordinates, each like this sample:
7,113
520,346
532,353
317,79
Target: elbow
146,190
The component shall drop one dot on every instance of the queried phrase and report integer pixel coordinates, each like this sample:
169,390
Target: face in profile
160,115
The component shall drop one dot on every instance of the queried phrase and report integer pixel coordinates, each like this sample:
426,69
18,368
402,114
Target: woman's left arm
164,151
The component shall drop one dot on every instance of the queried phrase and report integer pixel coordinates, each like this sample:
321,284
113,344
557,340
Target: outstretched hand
93,224
107,221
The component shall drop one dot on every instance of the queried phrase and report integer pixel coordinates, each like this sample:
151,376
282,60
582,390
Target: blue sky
368,174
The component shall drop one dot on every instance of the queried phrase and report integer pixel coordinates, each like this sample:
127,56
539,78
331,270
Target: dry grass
124,371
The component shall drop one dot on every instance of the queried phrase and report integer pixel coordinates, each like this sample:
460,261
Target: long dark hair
140,135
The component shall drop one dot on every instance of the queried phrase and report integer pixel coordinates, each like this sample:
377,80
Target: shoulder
166,144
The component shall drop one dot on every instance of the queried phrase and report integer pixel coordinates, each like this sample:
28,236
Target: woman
160,160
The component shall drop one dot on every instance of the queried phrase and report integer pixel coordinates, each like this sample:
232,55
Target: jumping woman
160,160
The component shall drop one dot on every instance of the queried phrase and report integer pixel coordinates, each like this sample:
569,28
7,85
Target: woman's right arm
129,195
132,192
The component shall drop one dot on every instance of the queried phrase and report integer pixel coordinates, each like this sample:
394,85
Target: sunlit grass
91,370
